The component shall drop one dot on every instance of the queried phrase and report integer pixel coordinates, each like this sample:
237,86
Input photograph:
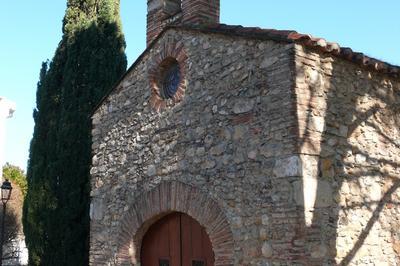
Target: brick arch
171,197
169,49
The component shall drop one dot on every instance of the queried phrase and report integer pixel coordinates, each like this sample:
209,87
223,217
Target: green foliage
88,61
16,175
12,222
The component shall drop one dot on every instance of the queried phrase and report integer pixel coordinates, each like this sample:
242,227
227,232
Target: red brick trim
174,197
201,12
192,12
170,49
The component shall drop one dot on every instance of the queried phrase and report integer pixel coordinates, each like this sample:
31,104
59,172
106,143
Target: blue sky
31,30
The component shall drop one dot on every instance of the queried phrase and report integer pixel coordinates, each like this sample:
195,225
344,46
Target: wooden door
161,244
177,240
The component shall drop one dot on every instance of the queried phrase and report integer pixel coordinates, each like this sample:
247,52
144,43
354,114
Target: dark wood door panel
196,245
177,240
161,244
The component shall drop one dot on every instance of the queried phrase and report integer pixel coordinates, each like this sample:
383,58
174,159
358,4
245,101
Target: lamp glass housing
6,189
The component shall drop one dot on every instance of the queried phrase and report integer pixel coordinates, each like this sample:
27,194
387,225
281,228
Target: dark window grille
198,263
171,80
163,262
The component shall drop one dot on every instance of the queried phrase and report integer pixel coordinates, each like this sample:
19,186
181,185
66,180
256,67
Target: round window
170,78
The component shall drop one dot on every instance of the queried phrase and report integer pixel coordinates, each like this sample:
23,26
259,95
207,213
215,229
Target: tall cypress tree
88,61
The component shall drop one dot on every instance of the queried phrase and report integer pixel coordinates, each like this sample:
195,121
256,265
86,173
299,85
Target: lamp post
6,189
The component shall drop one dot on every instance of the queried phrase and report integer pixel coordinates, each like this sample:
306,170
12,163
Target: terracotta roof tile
304,39
280,36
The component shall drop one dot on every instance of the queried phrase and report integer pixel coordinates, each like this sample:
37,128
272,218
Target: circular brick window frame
166,198
171,51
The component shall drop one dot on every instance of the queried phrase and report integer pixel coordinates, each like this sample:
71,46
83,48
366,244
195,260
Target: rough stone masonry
287,154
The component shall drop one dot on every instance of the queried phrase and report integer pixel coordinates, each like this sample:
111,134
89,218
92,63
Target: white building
7,108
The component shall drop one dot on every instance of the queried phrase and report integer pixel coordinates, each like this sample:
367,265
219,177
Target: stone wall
285,155
349,147
231,139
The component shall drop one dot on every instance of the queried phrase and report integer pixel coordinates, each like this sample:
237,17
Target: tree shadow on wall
349,132
12,227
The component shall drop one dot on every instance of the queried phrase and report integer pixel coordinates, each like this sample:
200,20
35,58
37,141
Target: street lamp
6,189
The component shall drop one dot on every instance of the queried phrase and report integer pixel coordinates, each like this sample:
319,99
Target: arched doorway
168,197
176,240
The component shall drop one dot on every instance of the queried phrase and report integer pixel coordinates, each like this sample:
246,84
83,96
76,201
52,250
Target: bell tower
161,13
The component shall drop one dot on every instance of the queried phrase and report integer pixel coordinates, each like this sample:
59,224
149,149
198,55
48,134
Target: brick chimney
161,13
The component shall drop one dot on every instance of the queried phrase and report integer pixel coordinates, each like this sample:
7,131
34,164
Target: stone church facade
284,148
